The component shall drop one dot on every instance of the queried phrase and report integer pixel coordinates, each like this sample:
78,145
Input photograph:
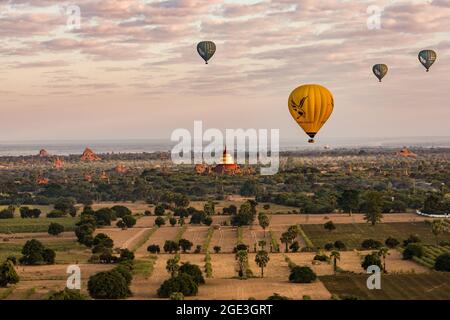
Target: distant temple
227,166
42,181
121,169
43,153
58,163
89,155
405,153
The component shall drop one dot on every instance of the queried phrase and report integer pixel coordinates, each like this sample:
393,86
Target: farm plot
251,236
19,225
196,234
159,237
430,255
145,287
36,282
225,238
353,234
145,222
426,286
21,238
121,238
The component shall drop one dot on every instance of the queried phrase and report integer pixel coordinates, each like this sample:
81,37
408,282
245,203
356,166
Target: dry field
159,237
225,237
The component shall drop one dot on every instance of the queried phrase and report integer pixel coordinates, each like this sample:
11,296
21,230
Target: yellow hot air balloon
311,105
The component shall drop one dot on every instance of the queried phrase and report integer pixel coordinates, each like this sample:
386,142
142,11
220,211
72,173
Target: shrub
55,229
391,242
125,273
154,248
338,244
329,246
159,210
370,260
185,245
170,246
329,226
7,213
371,244
321,257
172,221
217,249
294,246
67,294
8,274
126,255
302,275
26,212
442,262
56,214
177,296
182,283
108,285
413,250
412,239
192,270
276,296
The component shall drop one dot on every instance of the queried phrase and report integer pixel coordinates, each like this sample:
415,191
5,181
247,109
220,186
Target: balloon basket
311,141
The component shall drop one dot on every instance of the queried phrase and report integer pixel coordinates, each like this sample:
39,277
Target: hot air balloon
206,50
380,70
427,58
311,105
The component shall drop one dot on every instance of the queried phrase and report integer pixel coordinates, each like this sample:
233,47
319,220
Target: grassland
19,225
353,234
426,286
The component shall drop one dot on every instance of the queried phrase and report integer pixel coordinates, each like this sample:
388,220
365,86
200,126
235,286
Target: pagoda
43,153
227,166
89,155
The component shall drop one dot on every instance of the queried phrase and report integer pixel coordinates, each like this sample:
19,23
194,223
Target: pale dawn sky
132,70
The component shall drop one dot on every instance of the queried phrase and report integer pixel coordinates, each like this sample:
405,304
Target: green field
427,286
66,251
353,234
430,255
19,225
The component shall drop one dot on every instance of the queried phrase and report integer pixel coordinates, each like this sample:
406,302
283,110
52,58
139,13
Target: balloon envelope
206,50
427,58
311,105
380,70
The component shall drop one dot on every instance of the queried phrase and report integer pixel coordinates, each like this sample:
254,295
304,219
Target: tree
208,220
285,238
7,213
245,216
263,221
172,266
442,262
26,212
329,226
209,208
241,258
295,246
302,275
159,221
185,245
391,242
262,259
104,216
262,244
121,211
170,246
383,253
217,249
371,244
349,201
129,221
338,244
34,253
371,207
437,227
173,221
154,248
194,271
8,274
181,200
159,210
182,283
108,285
66,205
371,260
126,255
55,229
336,256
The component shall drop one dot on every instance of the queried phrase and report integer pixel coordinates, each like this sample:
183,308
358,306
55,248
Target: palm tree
264,221
262,259
335,255
383,253
285,238
262,244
